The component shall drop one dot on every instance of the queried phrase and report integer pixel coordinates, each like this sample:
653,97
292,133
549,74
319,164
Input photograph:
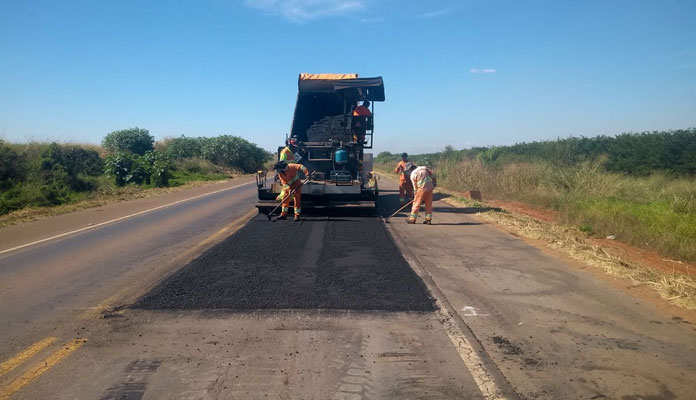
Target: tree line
640,154
41,174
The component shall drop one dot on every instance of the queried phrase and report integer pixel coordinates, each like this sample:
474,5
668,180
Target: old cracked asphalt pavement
339,306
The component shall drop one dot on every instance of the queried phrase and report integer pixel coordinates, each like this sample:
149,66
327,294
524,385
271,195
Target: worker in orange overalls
404,168
424,181
360,115
291,176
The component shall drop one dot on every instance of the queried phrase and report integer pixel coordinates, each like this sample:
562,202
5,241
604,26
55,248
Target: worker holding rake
424,182
291,176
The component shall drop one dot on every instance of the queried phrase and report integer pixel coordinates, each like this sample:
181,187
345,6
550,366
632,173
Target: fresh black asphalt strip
335,262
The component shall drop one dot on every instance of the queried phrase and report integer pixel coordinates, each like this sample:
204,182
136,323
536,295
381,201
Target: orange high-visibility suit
405,186
291,178
360,113
424,181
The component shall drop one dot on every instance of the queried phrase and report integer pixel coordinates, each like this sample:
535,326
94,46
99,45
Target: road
52,281
201,299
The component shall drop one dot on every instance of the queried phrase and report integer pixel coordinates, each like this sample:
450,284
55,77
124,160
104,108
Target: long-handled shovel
386,220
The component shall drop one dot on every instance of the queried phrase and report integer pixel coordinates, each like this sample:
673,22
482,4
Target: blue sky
465,73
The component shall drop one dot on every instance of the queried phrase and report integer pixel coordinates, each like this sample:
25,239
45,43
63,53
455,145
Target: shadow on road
464,210
458,223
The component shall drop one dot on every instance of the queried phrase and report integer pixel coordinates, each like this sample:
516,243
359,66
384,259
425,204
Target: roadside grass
653,225
197,169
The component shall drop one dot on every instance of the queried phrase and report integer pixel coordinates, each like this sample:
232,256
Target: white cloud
482,70
372,20
437,13
306,10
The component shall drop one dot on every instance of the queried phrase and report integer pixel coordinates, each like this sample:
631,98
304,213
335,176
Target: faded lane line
93,312
473,362
120,219
29,352
40,367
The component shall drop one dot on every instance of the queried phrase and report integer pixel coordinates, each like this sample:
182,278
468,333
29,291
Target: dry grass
679,289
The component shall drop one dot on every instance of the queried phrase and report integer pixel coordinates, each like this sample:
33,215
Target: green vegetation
229,151
135,141
50,174
640,154
640,188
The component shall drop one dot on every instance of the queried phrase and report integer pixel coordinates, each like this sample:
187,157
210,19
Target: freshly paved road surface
329,308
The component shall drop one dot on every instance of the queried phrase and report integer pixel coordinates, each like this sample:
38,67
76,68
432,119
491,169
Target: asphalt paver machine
331,142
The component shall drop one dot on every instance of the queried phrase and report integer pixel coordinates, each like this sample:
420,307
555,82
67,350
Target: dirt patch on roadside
513,206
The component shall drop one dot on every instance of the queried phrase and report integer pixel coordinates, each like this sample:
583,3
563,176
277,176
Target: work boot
427,222
411,221
297,218
282,217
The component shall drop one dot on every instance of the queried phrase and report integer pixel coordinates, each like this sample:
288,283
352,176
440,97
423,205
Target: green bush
152,168
195,165
134,140
226,151
234,152
12,166
124,168
158,167
12,199
68,166
184,147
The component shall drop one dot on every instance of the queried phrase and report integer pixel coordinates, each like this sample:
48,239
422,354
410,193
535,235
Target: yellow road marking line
119,219
29,352
39,368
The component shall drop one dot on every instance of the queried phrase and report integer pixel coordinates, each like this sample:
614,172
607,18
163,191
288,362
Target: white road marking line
477,369
470,311
473,363
119,219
